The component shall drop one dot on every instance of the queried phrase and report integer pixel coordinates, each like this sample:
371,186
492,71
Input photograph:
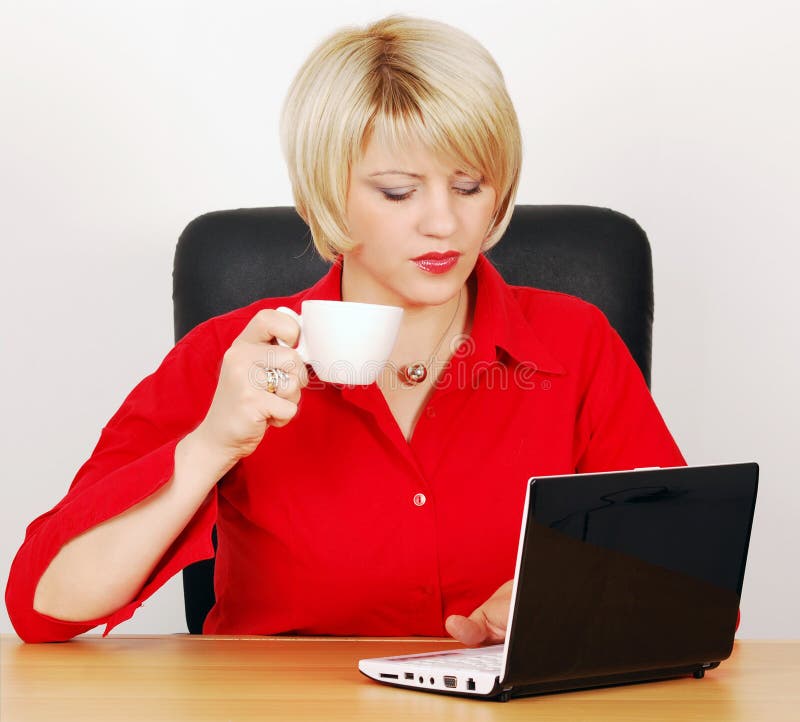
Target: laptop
621,577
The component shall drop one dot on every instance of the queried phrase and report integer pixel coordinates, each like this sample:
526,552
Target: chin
432,292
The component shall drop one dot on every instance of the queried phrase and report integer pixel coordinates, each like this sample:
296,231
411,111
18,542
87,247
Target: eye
396,197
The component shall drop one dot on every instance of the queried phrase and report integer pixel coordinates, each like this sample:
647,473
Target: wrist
209,458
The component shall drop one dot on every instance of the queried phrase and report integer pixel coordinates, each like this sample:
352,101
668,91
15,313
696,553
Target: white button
419,499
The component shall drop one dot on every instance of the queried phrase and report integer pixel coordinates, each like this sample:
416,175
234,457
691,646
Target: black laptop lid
630,571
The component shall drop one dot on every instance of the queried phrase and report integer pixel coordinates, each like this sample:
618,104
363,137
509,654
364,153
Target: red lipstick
437,262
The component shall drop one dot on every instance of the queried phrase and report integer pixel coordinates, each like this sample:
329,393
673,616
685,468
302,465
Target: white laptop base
466,671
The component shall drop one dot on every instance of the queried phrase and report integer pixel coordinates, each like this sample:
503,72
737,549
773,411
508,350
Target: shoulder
574,332
559,318
581,337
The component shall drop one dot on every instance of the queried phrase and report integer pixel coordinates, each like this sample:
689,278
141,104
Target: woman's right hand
242,408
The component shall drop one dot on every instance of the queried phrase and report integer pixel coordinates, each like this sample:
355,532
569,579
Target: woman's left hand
487,624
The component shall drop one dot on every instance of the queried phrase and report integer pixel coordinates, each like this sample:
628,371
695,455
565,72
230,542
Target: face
418,223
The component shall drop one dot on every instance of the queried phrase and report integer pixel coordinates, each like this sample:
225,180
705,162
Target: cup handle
301,343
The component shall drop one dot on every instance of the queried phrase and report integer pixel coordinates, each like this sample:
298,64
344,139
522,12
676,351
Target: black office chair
228,259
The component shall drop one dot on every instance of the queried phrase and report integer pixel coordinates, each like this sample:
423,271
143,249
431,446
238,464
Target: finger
298,369
293,364
275,357
263,377
289,388
465,630
278,411
487,624
269,324
494,614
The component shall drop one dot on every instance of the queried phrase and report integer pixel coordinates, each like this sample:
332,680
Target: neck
425,328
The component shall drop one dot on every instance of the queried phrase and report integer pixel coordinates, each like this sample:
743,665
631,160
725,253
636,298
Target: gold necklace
415,373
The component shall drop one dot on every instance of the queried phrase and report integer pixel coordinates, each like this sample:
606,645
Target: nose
438,218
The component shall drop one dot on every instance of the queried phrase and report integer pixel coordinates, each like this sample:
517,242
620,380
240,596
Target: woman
380,510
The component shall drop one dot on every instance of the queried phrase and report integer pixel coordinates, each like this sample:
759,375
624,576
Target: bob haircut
402,79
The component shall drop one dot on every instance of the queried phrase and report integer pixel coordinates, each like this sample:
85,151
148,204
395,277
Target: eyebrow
411,175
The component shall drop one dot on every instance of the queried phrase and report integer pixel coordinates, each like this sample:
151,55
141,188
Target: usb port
450,682
409,675
384,675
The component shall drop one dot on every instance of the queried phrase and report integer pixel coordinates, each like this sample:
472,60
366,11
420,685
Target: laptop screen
630,571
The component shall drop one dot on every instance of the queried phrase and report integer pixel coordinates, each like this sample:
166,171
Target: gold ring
274,378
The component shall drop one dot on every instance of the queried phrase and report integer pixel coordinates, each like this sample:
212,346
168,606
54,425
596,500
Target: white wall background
121,122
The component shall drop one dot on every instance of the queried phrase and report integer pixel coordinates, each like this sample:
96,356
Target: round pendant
414,374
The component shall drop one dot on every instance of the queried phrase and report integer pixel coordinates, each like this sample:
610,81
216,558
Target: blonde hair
401,78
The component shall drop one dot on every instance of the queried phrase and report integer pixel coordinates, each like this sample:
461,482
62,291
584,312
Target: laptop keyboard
487,659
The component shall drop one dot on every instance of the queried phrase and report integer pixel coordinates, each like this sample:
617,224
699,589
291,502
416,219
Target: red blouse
336,524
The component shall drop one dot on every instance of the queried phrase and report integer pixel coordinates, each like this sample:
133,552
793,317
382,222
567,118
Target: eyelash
404,196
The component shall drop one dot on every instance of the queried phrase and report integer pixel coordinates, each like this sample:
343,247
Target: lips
437,262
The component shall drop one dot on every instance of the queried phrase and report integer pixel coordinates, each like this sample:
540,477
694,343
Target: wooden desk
178,677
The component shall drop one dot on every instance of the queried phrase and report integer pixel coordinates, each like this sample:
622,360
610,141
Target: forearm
102,569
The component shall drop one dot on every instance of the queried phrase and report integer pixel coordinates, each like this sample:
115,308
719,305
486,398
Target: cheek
367,217
372,230
489,203
378,225
484,217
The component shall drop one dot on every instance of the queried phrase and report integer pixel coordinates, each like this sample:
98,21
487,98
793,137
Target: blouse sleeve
620,426
134,457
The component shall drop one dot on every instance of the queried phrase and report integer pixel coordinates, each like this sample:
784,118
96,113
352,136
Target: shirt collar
499,322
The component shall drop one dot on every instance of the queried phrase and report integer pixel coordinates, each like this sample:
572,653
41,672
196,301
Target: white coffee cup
346,342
